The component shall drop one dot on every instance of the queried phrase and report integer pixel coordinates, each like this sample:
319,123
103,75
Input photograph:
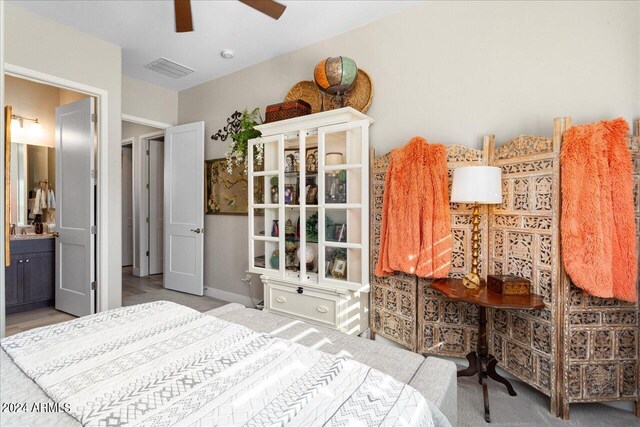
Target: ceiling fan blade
184,23
268,7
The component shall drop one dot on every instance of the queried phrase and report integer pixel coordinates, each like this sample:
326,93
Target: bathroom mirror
33,168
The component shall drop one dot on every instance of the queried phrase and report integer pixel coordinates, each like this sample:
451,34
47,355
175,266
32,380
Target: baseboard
229,296
136,271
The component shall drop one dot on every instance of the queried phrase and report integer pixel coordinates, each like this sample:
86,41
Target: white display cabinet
309,217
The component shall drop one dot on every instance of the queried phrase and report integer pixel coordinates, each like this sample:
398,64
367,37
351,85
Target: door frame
126,143
160,184
141,199
102,123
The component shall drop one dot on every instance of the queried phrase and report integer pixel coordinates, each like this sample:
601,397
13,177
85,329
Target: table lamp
477,185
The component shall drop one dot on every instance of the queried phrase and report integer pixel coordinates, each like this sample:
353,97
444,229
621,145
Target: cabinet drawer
309,305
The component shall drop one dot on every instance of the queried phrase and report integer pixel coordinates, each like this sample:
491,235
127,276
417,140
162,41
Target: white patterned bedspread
162,364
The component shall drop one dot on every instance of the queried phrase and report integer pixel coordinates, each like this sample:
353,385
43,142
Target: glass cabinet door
266,248
343,208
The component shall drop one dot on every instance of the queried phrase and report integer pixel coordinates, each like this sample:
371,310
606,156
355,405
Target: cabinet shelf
347,166
266,173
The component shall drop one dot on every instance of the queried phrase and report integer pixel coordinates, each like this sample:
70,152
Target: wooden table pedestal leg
484,364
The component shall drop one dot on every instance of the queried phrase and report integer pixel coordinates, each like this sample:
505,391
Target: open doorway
52,247
143,162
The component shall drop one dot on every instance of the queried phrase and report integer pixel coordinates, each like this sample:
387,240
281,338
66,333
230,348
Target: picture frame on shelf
312,194
339,268
339,232
291,160
311,160
289,194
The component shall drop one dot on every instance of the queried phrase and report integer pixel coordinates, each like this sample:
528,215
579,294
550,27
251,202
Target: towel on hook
416,224
51,199
598,228
39,203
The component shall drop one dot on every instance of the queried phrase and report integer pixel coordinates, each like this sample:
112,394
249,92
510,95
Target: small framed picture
311,159
339,268
291,160
339,232
289,194
312,194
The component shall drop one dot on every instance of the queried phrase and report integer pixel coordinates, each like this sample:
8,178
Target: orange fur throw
597,226
416,225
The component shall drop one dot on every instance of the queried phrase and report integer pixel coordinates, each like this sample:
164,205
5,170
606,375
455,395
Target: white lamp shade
477,184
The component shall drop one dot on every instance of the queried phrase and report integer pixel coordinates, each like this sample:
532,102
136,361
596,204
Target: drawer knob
300,290
281,299
322,309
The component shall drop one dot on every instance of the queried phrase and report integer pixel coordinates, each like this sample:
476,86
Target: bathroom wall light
19,120
18,128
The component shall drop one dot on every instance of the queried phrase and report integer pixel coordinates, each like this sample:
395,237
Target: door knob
196,230
55,234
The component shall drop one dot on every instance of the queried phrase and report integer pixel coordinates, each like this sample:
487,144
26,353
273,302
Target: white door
75,243
184,207
156,207
127,205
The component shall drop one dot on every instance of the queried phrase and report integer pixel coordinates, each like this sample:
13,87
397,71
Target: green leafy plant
312,228
238,150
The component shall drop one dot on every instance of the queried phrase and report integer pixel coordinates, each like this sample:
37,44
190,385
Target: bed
96,371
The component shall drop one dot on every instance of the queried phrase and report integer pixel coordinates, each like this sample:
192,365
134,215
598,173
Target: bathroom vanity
30,279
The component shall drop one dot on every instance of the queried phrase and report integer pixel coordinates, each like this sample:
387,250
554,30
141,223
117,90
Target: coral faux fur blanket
416,225
597,227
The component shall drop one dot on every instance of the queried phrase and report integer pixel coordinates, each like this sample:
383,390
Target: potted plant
239,148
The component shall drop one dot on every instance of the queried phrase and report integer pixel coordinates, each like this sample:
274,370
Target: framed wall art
226,193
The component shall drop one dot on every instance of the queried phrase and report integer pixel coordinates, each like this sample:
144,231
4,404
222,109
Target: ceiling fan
184,23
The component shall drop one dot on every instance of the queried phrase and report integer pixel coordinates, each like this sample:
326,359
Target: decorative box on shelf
286,110
309,217
508,284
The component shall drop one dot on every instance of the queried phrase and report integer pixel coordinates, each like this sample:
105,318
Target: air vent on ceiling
169,68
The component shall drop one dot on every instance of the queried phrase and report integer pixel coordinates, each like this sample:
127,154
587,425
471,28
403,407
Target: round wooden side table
480,361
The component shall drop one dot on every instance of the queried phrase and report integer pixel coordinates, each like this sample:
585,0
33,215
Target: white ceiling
145,31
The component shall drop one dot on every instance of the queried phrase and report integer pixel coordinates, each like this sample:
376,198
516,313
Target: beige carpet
530,408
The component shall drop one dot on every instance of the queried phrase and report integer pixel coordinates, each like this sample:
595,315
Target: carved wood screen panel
524,241
392,298
601,338
578,348
446,327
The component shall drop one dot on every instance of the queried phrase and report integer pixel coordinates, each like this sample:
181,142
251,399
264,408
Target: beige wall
451,72
147,101
69,96
45,46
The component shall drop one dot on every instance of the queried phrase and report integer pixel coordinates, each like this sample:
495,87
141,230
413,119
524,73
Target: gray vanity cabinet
30,280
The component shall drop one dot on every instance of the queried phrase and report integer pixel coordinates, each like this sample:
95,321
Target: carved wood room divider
578,348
